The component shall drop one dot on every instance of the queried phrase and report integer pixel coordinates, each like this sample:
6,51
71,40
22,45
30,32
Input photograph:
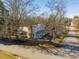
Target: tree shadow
47,49
43,46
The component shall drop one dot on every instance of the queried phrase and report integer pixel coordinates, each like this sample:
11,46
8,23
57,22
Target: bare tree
56,20
18,11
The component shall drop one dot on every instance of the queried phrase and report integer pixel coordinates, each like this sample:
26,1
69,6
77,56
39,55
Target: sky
72,7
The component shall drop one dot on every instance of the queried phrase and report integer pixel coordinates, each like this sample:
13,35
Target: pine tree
3,11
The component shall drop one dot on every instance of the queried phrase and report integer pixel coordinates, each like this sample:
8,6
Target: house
37,30
32,31
25,30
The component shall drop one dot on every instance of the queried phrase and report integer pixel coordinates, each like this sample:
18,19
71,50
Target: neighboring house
25,31
33,31
37,30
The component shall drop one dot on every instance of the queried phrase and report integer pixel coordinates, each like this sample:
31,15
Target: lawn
6,55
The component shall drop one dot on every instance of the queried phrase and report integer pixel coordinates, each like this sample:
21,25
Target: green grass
6,55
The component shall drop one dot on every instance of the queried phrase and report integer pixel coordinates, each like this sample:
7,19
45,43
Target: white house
26,30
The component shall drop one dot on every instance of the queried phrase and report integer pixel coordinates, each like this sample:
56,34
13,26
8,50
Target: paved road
29,53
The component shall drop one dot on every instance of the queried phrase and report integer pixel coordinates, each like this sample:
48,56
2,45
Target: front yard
6,55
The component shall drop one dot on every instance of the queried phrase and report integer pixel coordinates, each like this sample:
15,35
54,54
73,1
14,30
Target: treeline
16,13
